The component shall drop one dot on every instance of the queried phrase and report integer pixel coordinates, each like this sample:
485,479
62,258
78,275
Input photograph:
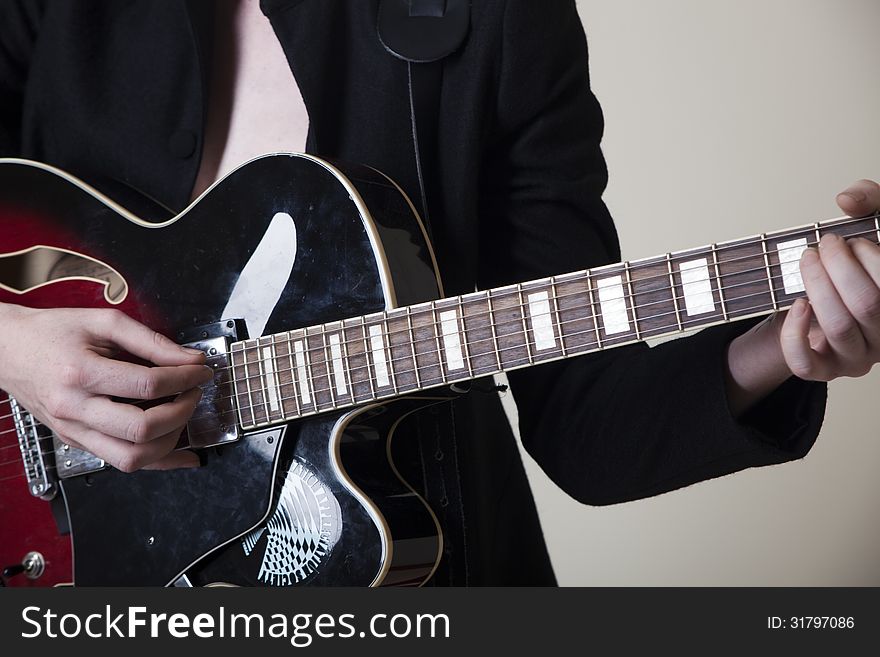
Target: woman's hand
59,365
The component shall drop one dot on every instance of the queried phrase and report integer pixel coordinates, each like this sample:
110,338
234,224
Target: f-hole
37,266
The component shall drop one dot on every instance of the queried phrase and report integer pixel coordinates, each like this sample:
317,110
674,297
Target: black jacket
118,89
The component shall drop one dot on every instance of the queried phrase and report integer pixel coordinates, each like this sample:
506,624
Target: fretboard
289,375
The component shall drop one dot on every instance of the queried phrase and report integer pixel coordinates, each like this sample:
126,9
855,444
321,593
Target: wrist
755,365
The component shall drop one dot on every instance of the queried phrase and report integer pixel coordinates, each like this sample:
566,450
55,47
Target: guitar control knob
33,566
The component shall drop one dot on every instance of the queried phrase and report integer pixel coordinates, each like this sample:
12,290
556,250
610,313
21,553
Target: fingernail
798,308
830,238
809,255
189,460
856,195
195,352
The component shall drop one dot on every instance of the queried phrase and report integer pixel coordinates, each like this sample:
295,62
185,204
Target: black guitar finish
268,509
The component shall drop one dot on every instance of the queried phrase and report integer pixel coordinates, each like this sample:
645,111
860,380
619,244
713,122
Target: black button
182,144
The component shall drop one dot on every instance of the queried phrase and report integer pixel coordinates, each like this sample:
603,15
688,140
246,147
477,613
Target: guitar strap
422,33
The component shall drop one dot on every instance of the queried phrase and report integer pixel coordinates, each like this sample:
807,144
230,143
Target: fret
239,377
327,363
287,345
412,336
425,345
435,325
318,368
577,325
718,282
595,314
877,225
509,327
339,366
522,314
769,274
742,267
464,342
554,298
817,229
255,395
494,333
674,295
400,345
452,348
301,374
615,317
270,377
368,348
693,285
542,330
479,334
653,294
631,300
354,339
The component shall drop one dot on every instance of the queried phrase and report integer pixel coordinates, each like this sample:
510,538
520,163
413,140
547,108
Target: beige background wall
727,118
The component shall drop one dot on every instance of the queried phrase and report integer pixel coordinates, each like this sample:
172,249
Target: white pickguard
265,275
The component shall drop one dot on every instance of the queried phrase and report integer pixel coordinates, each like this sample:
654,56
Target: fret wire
593,309
276,377
877,225
235,381
309,378
293,377
558,317
769,273
263,386
492,327
522,314
434,322
346,363
368,356
672,289
818,234
412,337
718,283
328,367
248,381
464,338
631,300
386,348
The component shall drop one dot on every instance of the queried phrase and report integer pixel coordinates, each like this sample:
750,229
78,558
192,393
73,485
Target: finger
121,454
103,376
839,326
141,341
137,425
181,458
854,285
794,338
868,255
860,199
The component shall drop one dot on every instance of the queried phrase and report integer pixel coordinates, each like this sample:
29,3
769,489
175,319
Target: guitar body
283,242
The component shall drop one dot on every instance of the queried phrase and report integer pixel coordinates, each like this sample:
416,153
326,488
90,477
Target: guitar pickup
215,420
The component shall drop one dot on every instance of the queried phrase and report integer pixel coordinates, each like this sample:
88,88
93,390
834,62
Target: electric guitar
314,292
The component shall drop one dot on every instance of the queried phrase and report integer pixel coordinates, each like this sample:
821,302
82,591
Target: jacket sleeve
19,20
628,422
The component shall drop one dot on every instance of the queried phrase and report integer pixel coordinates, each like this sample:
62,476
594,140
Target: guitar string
457,301
521,306
322,350
759,308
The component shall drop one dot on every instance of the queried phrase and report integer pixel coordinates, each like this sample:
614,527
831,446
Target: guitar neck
289,375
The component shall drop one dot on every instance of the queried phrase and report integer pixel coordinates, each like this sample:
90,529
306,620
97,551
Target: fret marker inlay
696,286
613,305
542,325
451,341
301,374
271,379
789,262
336,361
377,348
